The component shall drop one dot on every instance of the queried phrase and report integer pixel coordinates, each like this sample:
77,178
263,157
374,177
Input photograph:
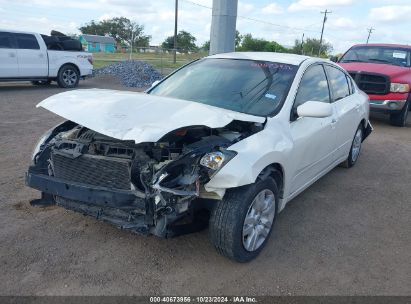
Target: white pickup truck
25,56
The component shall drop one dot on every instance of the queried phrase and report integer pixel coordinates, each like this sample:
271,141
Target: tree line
128,33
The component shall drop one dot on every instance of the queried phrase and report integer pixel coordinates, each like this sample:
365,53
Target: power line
370,30
322,30
259,20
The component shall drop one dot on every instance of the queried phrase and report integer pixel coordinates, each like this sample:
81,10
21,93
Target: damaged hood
137,116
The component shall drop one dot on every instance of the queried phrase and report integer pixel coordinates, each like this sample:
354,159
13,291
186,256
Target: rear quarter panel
59,58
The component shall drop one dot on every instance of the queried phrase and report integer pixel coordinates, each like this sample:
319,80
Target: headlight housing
399,88
217,159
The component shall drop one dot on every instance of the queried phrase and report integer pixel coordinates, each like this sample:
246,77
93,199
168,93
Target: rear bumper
87,73
387,105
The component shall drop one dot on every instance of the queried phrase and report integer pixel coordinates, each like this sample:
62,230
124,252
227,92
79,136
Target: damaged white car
225,141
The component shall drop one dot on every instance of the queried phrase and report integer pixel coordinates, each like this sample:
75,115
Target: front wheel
241,223
355,148
68,76
400,119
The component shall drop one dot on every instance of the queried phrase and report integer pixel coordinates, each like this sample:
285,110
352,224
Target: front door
9,67
32,58
314,139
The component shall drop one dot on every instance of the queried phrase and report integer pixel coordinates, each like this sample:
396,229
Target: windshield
378,54
247,86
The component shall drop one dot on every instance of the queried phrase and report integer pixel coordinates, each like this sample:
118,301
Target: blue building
95,43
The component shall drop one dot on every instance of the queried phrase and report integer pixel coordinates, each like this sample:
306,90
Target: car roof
16,31
264,56
385,45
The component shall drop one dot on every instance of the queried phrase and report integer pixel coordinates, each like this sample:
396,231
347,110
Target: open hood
137,116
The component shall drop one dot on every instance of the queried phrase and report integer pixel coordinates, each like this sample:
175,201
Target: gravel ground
348,234
131,73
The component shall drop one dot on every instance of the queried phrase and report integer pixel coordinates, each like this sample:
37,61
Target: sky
282,20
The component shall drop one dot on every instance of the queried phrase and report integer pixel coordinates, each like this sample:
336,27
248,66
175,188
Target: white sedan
226,141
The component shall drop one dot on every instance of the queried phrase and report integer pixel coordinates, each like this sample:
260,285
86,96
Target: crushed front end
149,188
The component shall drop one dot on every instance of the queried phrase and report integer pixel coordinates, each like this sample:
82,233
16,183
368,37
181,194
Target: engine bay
168,175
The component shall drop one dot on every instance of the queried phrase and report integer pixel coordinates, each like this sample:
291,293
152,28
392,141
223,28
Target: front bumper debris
119,207
125,209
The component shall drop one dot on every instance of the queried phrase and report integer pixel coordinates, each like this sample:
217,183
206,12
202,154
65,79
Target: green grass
162,62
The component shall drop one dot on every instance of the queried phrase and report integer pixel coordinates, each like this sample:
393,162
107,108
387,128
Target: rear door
347,107
314,138
32,57
9,67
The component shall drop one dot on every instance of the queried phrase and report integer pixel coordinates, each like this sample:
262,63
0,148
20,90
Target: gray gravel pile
132,73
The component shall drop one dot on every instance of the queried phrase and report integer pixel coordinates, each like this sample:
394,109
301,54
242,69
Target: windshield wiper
379,60
350,60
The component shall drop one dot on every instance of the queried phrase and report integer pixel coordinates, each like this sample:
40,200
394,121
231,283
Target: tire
355,148
68,76
228,230
41,82
400,119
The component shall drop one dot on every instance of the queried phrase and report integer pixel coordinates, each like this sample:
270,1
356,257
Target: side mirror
334,58
315,109
155,83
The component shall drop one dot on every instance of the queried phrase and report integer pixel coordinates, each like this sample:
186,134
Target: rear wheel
68,76
400,119
355,148
241,223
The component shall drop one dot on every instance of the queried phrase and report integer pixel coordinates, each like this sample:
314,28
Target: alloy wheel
69,77
258,220
356,145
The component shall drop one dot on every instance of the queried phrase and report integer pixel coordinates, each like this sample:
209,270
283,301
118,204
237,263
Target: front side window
6,40
26,41
313,87
338,83
247,86
378,54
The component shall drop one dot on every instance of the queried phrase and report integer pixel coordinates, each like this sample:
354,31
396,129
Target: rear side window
26,41
313,87
6,40
338,82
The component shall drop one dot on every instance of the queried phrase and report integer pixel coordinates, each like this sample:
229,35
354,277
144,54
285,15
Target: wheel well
69,64
363,123
276,172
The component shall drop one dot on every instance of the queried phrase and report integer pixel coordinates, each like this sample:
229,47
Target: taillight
90,59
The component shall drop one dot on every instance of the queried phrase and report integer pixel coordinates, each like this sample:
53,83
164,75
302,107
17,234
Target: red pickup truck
383,71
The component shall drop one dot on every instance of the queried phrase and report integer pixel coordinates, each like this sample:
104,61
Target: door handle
12,55
333,123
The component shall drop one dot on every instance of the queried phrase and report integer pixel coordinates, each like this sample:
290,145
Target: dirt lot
349,234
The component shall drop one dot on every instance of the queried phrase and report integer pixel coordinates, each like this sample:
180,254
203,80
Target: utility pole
223,25
370,30
175,32
131,44
302,45
322,31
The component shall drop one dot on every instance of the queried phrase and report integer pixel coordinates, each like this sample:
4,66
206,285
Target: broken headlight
39,146
216,160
